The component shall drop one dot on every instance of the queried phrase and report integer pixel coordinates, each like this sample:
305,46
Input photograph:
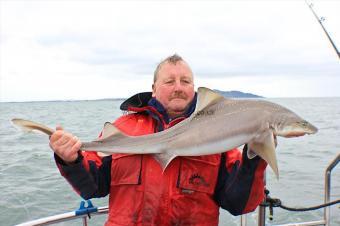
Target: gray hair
171,59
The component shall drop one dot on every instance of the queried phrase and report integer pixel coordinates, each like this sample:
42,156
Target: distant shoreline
37,101
237,94
228,94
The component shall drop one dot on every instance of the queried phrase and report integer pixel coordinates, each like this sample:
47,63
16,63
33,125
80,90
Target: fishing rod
320,20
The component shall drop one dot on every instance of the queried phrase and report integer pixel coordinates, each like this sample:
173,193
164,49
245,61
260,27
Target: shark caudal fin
27,125
264,146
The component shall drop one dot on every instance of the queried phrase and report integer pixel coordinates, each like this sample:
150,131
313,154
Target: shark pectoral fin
164,159
264,146
102,154
206,97
109,130
251,154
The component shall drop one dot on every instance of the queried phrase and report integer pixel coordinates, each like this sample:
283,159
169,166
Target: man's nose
178,85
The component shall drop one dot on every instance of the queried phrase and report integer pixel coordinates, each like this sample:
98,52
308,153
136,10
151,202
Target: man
190,190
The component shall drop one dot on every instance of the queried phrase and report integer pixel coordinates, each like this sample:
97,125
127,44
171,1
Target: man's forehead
174,76
179,67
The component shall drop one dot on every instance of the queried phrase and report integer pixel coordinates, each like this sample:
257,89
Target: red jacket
189,192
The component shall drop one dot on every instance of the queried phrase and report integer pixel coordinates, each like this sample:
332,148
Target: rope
272,202
310,208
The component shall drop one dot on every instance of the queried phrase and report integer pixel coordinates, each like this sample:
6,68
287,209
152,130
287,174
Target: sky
73,50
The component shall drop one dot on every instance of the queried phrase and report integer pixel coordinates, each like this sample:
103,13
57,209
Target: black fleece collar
138,100
160,108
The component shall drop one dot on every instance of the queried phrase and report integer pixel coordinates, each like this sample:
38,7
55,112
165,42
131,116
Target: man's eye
169,82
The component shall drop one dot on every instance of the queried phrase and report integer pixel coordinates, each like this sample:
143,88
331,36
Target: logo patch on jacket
198,180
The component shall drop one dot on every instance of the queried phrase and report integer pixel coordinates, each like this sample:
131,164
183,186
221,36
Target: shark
217,125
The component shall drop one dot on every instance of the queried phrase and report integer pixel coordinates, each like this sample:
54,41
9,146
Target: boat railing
326,218
67,217
90,211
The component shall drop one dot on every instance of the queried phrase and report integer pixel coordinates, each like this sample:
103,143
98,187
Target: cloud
116,42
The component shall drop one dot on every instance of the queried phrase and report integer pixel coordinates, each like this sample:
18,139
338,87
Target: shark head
297,128
291,125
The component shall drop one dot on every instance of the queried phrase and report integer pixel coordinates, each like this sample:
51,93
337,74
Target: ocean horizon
125,98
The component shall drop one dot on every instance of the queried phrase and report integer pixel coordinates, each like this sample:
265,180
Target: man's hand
65,145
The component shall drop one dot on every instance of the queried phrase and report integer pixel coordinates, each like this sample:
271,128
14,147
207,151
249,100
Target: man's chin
178,109
178,106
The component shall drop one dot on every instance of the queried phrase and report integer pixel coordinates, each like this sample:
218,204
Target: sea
31,186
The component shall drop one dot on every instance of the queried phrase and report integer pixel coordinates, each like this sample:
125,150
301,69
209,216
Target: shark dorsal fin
109,130
206,97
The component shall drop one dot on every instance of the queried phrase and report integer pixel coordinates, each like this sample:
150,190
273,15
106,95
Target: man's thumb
58,127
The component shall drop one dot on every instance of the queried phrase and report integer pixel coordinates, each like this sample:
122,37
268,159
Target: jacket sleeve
89,175
240,183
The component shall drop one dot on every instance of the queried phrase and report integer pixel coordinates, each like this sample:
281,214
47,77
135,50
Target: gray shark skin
217,125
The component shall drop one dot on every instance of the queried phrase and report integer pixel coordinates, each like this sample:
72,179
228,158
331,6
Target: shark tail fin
27,125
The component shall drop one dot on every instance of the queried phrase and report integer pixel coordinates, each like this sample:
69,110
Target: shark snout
297,129
307,127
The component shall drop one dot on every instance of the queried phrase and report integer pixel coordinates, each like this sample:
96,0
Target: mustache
178,95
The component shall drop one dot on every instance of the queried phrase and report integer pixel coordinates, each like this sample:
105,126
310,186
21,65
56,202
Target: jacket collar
138,100
160,108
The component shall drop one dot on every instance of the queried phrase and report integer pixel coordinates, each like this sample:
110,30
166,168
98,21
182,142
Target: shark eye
279,124
304,123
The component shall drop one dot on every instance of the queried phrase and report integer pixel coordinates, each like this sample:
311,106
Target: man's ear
153,90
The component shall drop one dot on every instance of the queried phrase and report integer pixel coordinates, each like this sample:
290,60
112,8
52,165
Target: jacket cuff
61,162
76,174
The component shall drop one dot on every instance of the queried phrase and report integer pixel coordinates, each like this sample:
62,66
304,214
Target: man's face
174,87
